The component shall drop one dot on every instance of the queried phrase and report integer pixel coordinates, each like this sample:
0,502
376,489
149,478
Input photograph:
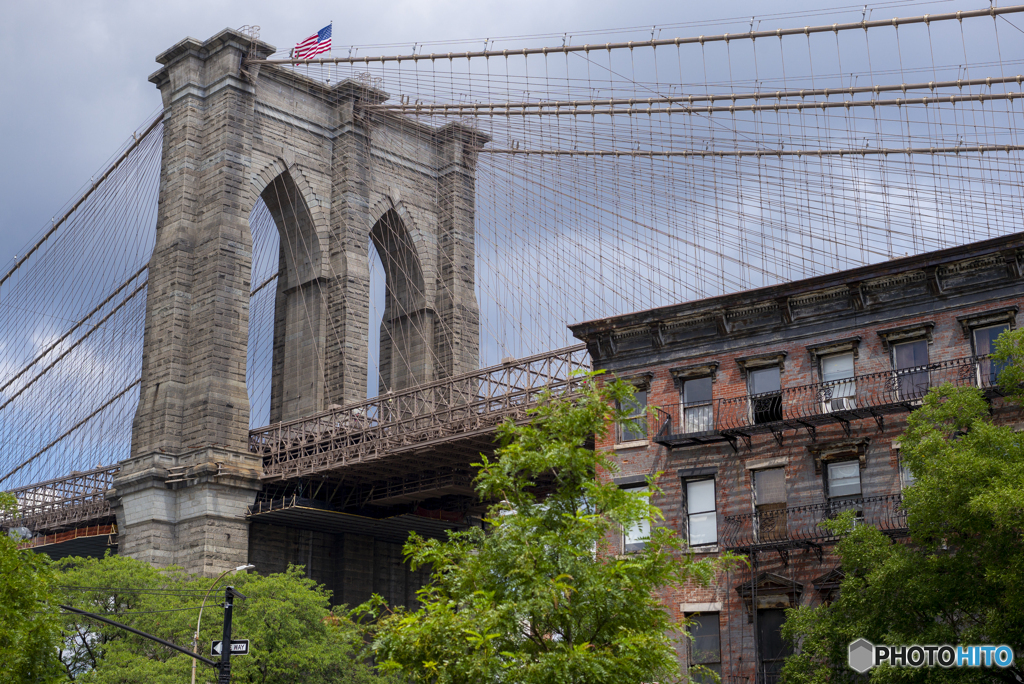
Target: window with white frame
701,513
705,644
838,388
634,538
843,478
634,427
906,476
698,412
984,341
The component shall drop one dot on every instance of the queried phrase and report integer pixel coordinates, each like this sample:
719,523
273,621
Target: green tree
29,635
294,636
960,579
540,597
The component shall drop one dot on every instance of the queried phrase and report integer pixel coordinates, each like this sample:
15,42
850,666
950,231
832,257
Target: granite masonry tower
334,174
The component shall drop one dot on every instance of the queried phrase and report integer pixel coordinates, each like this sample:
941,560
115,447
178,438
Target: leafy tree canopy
294,636
541,597
29,633
960,579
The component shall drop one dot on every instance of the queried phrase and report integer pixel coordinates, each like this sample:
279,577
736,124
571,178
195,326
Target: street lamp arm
195,639
168,644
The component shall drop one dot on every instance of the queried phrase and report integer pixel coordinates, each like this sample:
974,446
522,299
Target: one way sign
239,647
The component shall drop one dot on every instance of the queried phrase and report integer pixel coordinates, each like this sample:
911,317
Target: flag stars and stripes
316,44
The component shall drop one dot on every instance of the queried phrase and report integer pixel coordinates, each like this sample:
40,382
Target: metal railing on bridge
468,405
808,407
63,502
795,526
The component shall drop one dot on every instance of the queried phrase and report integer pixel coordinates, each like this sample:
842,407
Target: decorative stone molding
771,591
1013,265
657,331
981,319
849,344
906,333
641,381
785,310
697,370
846,450
763,463
749,363
857,298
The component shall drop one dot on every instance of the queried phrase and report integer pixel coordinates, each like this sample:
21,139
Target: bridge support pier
334,173
186,510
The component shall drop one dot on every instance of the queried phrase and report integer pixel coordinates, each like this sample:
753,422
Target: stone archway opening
377,299
266,245
300,308
406,356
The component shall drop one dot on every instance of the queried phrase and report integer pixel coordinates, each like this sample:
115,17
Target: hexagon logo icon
862,655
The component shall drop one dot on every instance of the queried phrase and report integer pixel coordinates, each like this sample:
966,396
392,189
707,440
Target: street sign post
224,676
239,647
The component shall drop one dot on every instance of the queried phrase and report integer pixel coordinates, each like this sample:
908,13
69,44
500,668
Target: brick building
778,407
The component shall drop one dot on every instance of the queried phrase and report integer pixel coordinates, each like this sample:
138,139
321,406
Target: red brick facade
937,298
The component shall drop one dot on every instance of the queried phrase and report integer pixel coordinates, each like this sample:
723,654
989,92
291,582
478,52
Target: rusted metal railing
790,526
808,407
63,502
466,405
463,406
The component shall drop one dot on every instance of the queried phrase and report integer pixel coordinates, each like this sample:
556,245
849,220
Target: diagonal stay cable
57,224
69,431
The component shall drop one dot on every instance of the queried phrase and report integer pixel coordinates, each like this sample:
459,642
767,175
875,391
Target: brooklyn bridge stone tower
334,174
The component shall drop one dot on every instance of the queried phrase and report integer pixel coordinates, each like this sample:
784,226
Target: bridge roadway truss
399,449
64,503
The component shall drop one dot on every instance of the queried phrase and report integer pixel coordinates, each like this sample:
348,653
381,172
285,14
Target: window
698,414
770,504
765,388
702,520
984,344
705,643
635,427
634,538
906,477
910,359
843,478
838,388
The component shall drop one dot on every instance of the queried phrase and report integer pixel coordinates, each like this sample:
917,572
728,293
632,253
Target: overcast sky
74,72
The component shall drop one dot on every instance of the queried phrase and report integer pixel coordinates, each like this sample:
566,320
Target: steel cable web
651,199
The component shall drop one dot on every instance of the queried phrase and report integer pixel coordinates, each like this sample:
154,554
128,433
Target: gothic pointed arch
300,310
406,334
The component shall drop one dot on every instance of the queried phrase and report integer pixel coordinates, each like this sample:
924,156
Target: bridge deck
387,435
398,448
64,503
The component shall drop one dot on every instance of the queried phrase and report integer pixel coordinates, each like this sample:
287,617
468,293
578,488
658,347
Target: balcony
783,529
809,407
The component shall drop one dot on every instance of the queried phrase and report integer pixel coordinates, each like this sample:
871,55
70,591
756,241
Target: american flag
314,45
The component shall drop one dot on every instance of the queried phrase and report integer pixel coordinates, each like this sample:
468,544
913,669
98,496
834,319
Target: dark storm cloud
74,73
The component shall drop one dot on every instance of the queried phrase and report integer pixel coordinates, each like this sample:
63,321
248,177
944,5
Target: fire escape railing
63,502
811,406
796,526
